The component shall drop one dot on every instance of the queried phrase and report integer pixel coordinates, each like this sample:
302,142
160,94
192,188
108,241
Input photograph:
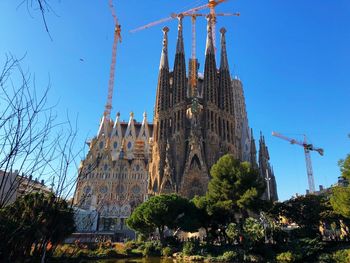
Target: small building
14,185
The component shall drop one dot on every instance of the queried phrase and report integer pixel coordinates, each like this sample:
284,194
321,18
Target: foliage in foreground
340,199
33,223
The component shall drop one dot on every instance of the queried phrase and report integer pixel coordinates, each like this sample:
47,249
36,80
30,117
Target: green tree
340,199
32,222
253,230
235,187
306,211
232,232
161,211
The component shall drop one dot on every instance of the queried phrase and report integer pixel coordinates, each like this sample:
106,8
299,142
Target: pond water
135,260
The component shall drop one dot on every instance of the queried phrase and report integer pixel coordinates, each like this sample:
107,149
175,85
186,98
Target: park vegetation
241,227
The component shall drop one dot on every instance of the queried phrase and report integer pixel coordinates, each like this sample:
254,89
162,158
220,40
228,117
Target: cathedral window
101,145
105,167
115,145
103,189
120,189
136,189
87,189
129,145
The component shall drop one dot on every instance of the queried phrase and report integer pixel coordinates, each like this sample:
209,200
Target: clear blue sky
292,56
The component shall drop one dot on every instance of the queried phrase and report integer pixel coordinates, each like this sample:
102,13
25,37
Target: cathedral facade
113,177
197,119
197,122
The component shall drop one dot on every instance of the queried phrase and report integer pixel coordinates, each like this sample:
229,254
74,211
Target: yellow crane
192,13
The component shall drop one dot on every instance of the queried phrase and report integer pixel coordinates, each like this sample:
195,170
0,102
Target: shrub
309,247
286,257
325,258
253,258
342,256
81,253
196,258
253,230
130,245
152,249
232,232
167,252
229,256
111,253
189,248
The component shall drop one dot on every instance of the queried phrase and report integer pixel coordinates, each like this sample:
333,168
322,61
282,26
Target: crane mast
307,148
117,38
191,13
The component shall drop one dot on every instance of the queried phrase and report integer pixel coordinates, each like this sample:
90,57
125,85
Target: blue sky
292,57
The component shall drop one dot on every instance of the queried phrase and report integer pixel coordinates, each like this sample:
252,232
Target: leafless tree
42,6
32,140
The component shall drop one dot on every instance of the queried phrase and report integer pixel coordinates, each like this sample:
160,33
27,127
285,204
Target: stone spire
225,90
209,48
180,41
210,73
223,57
179,83
164,64
266,172
252,150
162,97
161,121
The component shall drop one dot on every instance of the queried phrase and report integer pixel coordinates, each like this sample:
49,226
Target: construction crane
117,38
307,148
191,13
193,50
211,5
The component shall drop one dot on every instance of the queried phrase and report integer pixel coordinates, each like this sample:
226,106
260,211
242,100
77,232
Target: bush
342,256
196,258
152,249
81,253
309,247
325,258
189,248
167,252
253,230
229,256
253,258
286,257
130,245
111,253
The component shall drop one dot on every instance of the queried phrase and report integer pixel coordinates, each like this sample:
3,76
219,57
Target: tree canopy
235,187
35,220
340,199
161,211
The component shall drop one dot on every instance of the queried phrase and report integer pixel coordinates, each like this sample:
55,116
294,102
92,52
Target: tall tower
161,121
212,142
179,104
266,171
196,122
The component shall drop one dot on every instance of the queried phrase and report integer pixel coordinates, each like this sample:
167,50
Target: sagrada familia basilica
195,122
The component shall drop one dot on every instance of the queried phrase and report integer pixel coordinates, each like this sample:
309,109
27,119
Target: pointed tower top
209,49
117,119
164,56
145,115
223,62
180,41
